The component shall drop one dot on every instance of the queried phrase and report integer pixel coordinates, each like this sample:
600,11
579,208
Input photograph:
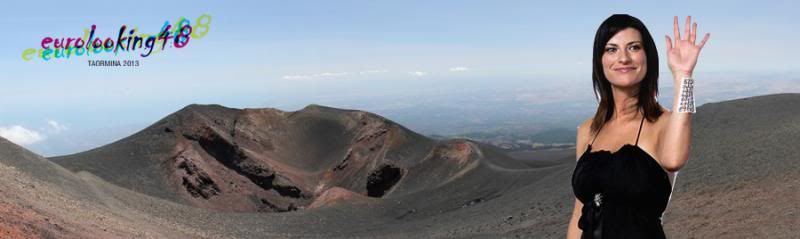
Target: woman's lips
625,69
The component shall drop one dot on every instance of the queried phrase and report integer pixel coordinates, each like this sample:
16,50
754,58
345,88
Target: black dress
624,193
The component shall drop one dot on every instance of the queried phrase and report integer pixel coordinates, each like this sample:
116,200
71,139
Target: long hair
648,88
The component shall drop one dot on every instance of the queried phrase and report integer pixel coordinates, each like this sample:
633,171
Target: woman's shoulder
662,120
585,127
583,135
666,113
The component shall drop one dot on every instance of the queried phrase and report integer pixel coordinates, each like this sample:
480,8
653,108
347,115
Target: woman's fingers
690,32
686,27
703,42
675,29
669,43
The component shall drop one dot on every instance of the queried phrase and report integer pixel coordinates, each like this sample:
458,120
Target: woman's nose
624,57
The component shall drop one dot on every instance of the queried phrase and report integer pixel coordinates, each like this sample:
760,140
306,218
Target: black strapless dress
624,193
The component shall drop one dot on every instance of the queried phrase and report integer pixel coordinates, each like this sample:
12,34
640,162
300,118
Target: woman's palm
682,56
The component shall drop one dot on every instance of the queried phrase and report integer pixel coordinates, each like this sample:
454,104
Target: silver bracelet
686,97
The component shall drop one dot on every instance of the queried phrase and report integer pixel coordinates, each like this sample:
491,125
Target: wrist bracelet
686,97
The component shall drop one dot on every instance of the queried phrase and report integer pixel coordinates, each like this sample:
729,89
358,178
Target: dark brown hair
649,85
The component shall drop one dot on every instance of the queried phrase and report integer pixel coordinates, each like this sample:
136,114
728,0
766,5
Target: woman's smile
625,69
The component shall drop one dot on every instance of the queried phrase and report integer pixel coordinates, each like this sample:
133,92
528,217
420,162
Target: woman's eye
611,50
635,48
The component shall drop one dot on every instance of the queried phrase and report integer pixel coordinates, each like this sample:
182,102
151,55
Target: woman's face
624,59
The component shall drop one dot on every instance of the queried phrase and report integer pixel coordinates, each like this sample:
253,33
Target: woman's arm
675,141
573,232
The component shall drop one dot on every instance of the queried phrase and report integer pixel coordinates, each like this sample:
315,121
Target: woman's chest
623,176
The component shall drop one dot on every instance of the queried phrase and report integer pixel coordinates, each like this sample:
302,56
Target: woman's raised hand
682,55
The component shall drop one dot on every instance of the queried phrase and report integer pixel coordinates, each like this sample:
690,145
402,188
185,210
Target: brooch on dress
598,199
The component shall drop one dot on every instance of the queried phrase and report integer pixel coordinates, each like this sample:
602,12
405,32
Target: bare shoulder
663,120
582,137
658,129
667,112
585,126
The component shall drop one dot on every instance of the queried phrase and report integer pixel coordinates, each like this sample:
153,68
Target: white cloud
314,76
20,135
57,127
330,75
321,75
459,68
295,77
418,73
372,72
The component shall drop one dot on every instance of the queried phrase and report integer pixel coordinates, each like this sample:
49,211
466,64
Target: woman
628,153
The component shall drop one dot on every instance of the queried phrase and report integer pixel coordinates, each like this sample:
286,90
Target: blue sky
287,54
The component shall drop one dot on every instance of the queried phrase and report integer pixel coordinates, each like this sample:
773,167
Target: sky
287,54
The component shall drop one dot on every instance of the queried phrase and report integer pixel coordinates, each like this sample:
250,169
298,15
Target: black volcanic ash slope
40,199
269,160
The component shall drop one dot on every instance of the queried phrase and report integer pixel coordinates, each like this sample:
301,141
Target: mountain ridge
265,159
